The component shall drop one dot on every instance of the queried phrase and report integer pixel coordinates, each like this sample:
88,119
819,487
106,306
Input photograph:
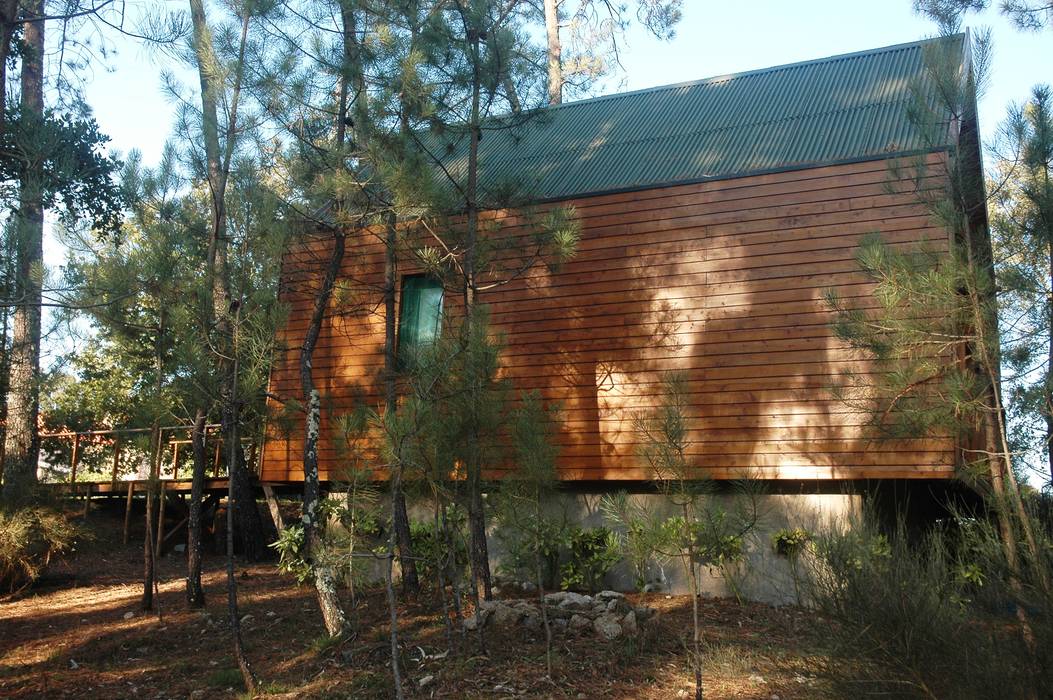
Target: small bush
593,552
29,538
646,538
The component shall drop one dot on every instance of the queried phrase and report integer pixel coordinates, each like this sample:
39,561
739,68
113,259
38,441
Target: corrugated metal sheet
842,108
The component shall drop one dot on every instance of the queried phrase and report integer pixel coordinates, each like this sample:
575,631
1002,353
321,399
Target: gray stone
578,624
607,627
609,595
426,681
528,587
629,624
559,625
506,615
129,615
532,621
472,621
618,606
569,600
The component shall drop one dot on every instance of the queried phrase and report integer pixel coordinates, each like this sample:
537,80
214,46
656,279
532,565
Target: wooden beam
175,461
272,504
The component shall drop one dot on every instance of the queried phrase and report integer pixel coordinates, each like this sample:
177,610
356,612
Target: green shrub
593,552
29,538
521,550
929,616
430,547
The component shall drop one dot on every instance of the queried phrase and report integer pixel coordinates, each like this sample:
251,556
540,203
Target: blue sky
714,38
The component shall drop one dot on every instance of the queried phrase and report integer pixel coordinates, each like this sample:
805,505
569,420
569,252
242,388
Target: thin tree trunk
232,586
696,629
195,594
324,580
399,515
147,602
440,569
21,438
555,63
539,580
393,618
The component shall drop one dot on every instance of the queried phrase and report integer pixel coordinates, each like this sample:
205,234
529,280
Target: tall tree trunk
6,292
195,594
480,557
249,523
21,439
324,577
8,24
555,62
1049,366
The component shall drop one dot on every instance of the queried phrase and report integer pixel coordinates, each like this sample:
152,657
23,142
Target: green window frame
420,315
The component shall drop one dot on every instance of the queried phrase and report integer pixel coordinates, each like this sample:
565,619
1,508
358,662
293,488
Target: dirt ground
81,634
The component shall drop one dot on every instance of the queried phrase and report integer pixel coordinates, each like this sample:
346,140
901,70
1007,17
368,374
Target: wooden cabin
714,215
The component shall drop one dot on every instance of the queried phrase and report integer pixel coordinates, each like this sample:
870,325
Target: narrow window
420,315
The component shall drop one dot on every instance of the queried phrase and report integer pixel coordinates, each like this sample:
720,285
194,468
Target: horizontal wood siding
723,280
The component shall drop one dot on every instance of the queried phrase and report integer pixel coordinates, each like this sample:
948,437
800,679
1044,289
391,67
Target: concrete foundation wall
763,576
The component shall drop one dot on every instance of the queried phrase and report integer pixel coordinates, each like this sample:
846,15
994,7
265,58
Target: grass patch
225,678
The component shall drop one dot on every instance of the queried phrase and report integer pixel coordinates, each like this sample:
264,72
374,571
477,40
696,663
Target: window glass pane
420,314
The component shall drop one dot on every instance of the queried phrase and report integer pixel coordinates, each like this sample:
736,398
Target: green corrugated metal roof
837,109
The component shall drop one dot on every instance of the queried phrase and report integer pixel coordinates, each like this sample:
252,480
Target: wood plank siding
724,280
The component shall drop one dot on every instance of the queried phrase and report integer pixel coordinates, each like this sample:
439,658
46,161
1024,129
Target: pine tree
1022,227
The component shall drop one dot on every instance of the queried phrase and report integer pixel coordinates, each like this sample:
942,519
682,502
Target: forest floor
81,634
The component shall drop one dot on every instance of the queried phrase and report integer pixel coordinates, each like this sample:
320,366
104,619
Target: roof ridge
756,71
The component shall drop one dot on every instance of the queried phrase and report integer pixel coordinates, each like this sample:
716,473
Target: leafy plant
790,542
289,546
593,552
429,545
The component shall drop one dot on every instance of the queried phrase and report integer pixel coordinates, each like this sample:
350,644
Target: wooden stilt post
117,464
87,498
175,461
128,511
272,504
160,517
215,460
73,462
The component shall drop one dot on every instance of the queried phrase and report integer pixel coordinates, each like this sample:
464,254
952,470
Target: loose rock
578,624
629,624
607,626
